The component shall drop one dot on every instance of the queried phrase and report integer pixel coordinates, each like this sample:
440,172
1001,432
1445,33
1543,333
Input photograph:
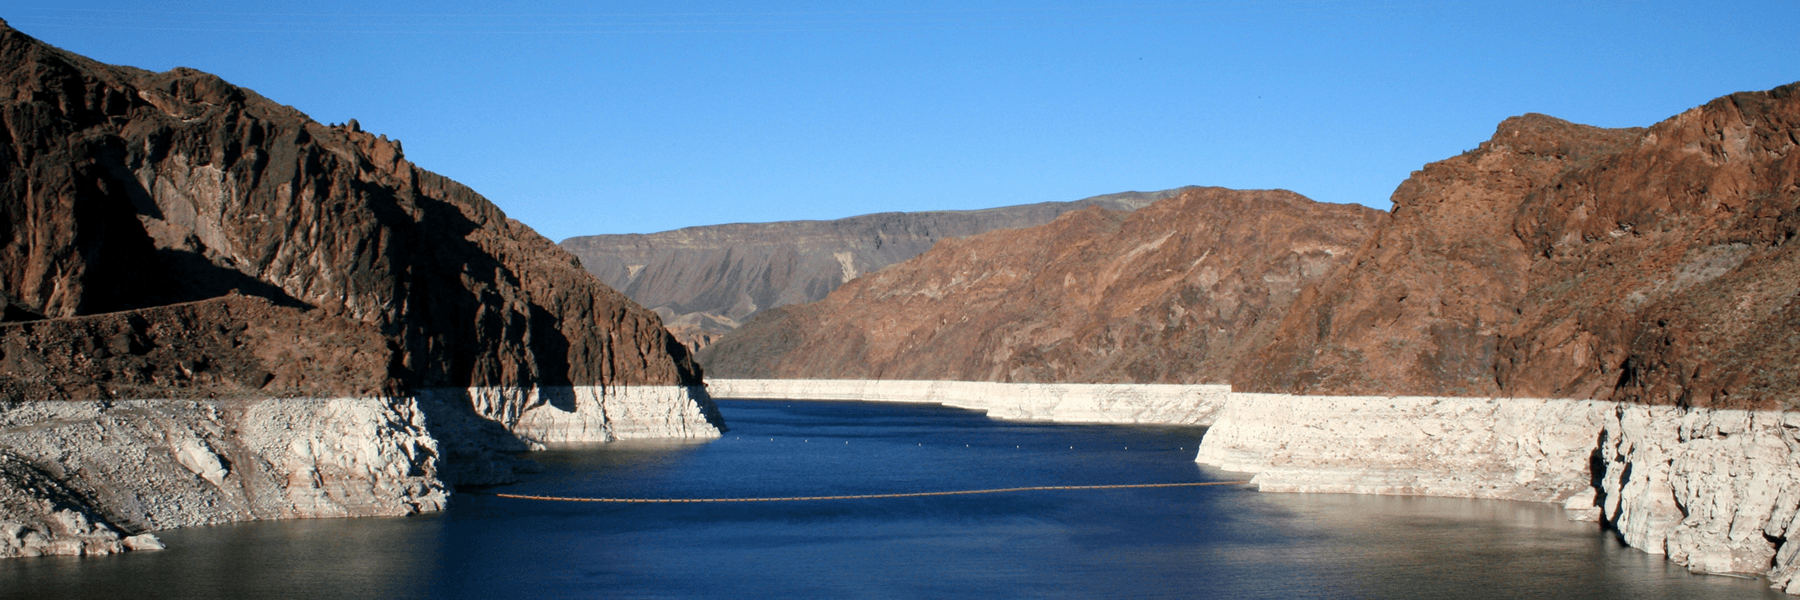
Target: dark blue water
1203,542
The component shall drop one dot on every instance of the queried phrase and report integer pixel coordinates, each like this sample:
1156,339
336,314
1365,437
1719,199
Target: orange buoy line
866,496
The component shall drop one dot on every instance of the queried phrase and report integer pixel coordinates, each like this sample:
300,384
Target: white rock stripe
1059,402
159,464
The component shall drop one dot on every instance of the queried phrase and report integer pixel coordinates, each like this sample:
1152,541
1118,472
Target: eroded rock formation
1716,490
1170,293
1645,278
1558,260
706,281
185,264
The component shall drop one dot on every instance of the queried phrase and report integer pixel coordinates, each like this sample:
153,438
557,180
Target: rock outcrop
184,263
1170,293
706,281
230,347
1644,276
1716,490
1558,260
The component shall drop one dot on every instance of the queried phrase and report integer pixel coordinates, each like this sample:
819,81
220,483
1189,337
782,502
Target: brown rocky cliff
1166,294
1559,260
707,280
230,347
125,189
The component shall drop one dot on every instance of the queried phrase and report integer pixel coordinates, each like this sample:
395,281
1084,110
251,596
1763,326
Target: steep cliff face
1558,260
706,281
126,189
1642,278
1716,490
1170,293
216,309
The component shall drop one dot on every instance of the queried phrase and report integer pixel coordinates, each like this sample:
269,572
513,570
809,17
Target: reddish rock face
122,189
1170,293
705,281
1558,260
231,347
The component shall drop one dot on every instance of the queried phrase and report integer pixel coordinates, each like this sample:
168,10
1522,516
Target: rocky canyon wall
1557,260
1646,276
185,265
1170,293
1643,279
706,281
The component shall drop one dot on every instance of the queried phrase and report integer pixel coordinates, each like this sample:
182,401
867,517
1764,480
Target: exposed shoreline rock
1716,490
95,477
1152,404
135,466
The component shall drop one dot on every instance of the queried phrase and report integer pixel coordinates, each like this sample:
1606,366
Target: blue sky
632,117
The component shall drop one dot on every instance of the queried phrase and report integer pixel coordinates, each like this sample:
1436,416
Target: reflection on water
1210,542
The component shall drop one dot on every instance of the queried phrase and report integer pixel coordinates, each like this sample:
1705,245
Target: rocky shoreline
1123,403
95,477
1716,490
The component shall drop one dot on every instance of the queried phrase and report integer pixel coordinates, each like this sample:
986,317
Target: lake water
1197,542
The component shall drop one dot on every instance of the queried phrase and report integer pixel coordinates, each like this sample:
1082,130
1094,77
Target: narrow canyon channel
1186,542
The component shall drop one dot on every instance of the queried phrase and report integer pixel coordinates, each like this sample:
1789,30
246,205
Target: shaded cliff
1170,293
1558,260
706,281
214,309
124,190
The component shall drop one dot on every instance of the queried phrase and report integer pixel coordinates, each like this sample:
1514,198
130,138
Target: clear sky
630,117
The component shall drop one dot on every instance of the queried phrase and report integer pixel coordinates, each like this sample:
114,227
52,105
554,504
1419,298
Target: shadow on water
1209,542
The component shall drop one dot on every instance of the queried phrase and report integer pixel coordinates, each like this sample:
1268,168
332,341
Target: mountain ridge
1159,295
706,280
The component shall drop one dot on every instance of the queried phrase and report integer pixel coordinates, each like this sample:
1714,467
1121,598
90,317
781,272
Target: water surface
1204,542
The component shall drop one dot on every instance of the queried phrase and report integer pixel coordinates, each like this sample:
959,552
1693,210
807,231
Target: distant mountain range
1652,265
708,280
1174,292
